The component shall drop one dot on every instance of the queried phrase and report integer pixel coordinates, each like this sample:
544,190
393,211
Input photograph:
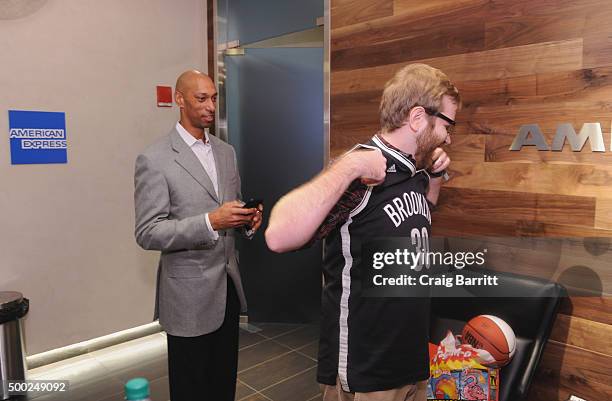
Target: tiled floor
276,363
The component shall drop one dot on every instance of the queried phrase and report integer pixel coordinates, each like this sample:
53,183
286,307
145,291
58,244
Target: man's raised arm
297,215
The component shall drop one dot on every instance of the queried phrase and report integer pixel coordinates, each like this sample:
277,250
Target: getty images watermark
485,266
416,260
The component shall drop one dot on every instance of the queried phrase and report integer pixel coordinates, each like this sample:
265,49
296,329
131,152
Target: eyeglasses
451,128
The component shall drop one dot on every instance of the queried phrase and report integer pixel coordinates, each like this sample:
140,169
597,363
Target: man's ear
178,98
417,118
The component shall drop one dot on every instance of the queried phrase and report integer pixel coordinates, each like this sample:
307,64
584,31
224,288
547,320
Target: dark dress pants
204,368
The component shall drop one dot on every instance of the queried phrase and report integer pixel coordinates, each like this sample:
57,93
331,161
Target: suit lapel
220,164
188,160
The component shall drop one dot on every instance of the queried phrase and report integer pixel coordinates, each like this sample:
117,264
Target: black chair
531,317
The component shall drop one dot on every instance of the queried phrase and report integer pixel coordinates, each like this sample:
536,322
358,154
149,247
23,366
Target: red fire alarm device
164,96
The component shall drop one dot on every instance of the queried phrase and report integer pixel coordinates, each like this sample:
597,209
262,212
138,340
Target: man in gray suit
187,192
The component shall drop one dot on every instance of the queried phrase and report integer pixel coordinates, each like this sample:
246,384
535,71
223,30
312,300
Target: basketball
493,335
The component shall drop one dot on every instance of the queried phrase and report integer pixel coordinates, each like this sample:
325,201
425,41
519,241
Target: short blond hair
414,85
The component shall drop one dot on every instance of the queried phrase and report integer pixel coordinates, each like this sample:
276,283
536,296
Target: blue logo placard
37,137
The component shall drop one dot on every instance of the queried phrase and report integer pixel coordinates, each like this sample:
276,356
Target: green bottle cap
137,389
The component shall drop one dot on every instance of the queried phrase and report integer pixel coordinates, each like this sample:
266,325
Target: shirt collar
188,138
406,161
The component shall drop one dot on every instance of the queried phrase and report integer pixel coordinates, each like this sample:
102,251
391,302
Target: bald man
187,201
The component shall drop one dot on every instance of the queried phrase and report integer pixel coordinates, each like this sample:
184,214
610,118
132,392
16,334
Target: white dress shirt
203,151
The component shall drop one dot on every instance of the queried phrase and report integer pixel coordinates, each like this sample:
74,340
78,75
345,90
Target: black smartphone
253,203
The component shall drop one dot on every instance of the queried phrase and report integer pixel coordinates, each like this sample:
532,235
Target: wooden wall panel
432,7
565,55
431,15
603,214
515,62
566,370
583,333
597,309
548,114
477,92
512,206
523,30
412,17
420,46
468,148
346,12
598,38
584,85
561,179
475,225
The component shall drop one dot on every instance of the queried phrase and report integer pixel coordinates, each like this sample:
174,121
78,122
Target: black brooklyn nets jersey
374,344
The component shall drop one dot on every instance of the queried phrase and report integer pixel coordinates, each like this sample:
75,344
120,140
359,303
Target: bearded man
374,348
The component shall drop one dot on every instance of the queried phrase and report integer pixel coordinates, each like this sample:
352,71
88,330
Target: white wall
66,237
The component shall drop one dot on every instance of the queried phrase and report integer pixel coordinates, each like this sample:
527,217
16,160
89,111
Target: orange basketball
493,335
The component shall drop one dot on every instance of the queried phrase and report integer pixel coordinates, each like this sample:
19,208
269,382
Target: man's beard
426,144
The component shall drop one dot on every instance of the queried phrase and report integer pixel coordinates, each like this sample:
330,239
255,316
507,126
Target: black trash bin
13,306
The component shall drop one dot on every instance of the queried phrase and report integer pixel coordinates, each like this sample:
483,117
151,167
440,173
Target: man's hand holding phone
232,215
257,205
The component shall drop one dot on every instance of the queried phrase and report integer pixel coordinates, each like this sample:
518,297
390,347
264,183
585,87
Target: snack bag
457,373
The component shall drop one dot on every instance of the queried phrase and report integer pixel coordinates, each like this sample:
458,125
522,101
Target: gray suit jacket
172,194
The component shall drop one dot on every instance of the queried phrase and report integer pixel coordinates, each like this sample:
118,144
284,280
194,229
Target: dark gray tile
300,337
275,370
259,353
271,330
299,388
317,398
246,339
311,349
268,364
255,397
242,390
